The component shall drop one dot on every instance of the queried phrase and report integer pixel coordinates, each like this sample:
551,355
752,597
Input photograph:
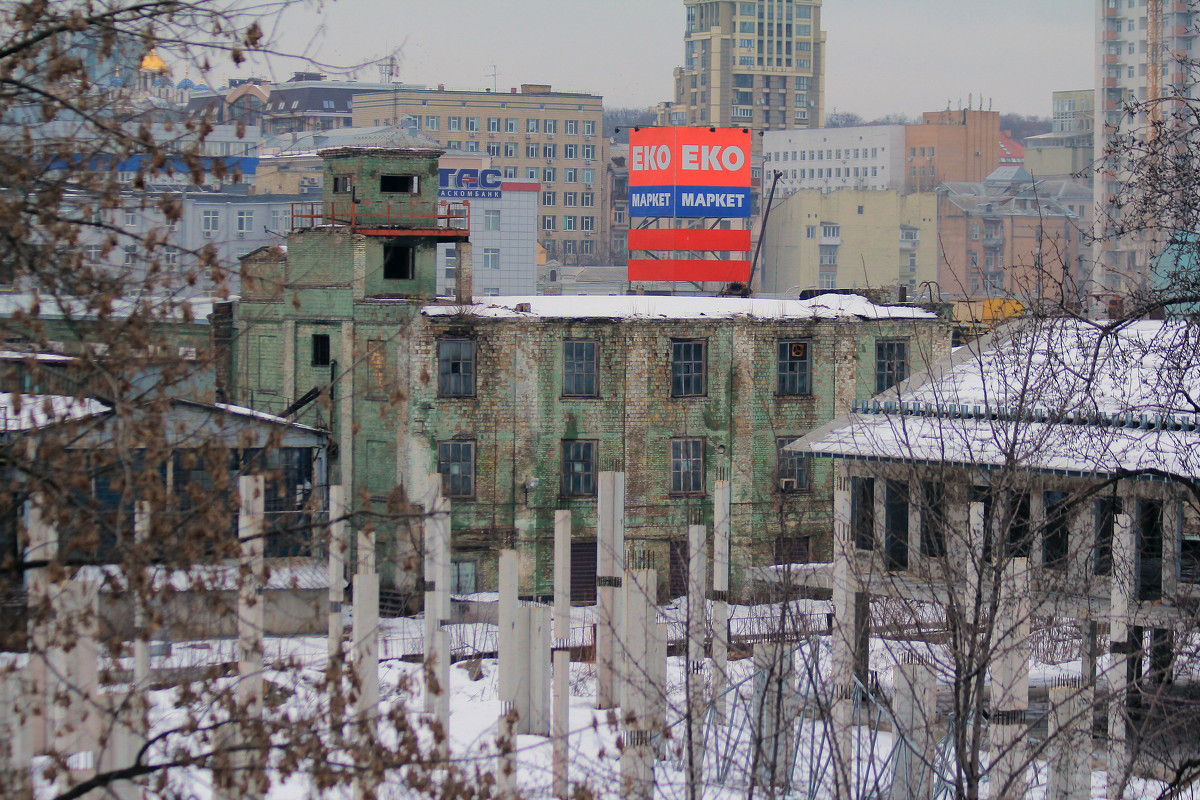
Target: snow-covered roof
23,412
45,358
827,306
199,308
243,411
1061,395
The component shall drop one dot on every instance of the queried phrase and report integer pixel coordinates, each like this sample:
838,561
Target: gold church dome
153,63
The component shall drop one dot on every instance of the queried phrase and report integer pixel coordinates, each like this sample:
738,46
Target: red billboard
689,173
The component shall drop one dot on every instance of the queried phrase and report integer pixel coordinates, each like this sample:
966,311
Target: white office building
860,157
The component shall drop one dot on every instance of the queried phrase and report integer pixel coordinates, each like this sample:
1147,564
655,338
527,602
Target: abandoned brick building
520,402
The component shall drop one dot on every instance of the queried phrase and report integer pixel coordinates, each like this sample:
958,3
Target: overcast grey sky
884,56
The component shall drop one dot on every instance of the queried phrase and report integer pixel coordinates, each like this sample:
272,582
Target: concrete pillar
365,634
915,501
637,723
338,547
656,669
1123,649
773,713
722,509
977,534
519,701
844,639
562,652
43,546
15,752
508,647
124,736
437,686
914,703
697,625
141,632
464,274
610,567
74,698
1172,524
1069,736
1009,670
250,624
1081,545
538,659
437,592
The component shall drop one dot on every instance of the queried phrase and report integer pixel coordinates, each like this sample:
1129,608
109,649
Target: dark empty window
1107,509
456,464
793,466
320,349
862,512
793,368
687,466
891,364
896,524
398,184
341,184
456,368
688,367
579,468
1056,535
1150,549
1020,536
933,520
398,261
579,369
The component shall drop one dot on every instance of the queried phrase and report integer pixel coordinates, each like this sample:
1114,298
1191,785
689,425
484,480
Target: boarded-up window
381,368
583,572
267,360
381,474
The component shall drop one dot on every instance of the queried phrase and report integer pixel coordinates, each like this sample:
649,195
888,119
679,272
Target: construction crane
1154,62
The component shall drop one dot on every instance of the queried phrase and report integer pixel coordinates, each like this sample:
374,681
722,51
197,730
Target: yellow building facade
533,133
849,239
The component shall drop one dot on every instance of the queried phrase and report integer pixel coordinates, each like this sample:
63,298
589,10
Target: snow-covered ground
296,670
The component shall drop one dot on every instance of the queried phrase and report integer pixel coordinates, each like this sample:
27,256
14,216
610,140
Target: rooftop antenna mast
495,78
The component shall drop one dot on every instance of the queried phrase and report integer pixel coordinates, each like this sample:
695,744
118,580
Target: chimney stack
463,275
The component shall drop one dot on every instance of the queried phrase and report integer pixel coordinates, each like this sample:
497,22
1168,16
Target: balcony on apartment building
831,235
910,239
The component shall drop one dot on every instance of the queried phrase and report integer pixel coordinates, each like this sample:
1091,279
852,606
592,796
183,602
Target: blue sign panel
727,202
466,183
712,201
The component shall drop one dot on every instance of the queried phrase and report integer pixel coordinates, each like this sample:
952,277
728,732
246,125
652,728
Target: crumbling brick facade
379,377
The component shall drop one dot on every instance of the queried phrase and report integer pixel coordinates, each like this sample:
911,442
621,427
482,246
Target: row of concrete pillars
1068,749
55,707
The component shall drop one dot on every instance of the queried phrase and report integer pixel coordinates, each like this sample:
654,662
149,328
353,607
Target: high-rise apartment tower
757,64
1139,44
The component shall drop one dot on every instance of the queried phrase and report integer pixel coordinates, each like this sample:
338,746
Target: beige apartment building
1141,51
850,238
757,64
532,133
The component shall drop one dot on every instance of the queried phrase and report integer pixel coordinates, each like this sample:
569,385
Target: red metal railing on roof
386,219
